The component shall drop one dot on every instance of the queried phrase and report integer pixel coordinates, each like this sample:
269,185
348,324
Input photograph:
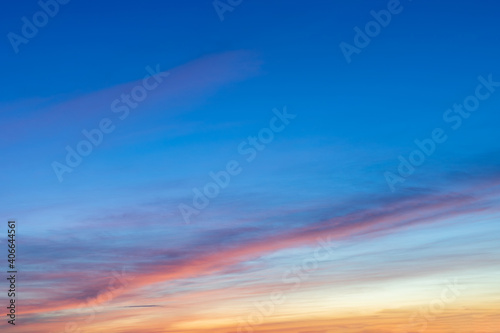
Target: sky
251,166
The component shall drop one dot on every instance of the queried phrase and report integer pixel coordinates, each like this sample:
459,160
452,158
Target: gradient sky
310,222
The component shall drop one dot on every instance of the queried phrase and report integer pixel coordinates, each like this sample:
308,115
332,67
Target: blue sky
223,82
